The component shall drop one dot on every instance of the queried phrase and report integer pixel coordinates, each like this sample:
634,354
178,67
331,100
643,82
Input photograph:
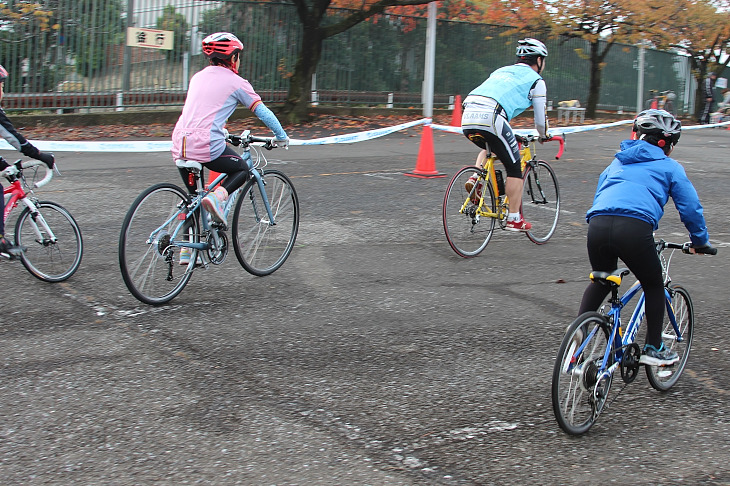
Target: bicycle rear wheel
147,259
577,394
49,259
540,201
261,248
663,378
468,232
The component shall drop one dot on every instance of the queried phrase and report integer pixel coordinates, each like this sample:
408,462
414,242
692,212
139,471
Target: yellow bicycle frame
525,155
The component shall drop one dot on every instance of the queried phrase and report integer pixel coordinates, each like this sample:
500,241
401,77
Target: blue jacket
638,184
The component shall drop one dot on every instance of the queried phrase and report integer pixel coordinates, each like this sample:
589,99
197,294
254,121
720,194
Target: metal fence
73,56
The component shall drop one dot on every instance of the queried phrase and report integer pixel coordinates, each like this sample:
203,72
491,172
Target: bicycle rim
541,201
575,385
261,248
663,378
150,264
46,258
467,232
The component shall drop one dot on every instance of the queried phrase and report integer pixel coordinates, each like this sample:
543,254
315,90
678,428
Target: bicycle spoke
260,246
465,213
541,201
52,241
663,378
147,256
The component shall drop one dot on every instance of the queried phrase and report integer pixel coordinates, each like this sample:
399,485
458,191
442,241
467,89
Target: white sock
514,217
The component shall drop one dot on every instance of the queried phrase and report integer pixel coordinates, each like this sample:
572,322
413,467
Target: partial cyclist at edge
629,202
488,109
18,142
199,134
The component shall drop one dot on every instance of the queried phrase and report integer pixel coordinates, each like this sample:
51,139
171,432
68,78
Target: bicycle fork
37,218
262,189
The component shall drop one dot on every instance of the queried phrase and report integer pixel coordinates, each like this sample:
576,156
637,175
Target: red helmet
221,45
3,74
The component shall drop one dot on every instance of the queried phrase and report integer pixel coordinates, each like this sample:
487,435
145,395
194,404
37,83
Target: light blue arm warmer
267,116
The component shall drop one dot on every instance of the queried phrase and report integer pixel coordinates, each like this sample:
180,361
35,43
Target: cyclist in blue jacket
627,207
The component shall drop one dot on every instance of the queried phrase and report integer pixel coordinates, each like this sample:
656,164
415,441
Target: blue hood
640,181
635,151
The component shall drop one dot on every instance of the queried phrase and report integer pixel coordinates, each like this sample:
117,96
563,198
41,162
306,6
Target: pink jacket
213,95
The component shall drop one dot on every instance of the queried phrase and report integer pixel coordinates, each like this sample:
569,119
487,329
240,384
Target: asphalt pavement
374,356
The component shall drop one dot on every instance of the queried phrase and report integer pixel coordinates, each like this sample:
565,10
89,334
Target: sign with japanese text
150,38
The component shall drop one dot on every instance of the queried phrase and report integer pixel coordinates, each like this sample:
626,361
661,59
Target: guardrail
71,101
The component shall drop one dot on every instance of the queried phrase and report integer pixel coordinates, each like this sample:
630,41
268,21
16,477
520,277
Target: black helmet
660,125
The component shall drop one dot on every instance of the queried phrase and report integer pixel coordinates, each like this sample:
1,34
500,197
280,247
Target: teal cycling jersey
511,87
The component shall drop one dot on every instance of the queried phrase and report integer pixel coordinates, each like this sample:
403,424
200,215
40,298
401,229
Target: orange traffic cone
211,177
426,163
456,114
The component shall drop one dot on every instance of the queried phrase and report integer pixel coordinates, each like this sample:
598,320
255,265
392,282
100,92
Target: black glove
47,158
31,151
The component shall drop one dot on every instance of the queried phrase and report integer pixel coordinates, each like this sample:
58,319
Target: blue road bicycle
597,344
166,234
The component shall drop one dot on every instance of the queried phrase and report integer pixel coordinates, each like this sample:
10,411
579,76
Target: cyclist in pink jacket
213,95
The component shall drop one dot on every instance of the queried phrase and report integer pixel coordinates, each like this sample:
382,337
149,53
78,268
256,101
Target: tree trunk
594,90
296,106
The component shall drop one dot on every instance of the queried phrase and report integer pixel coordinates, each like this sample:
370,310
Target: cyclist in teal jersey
488,109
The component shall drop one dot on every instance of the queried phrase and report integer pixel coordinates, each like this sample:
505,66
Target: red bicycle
48,234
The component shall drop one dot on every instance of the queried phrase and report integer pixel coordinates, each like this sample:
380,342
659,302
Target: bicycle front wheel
578,394
663,378
50,256
147,255
540,201
467,230
260,246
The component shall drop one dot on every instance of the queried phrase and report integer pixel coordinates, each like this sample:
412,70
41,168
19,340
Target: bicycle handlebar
247,139
20,165
524,140
686,248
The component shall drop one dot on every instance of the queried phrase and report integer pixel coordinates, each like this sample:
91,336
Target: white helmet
531,47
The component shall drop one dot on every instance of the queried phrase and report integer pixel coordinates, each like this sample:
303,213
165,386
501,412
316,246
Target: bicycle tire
540,201
149,268
468,233
44,259
574,378
261,248
663,378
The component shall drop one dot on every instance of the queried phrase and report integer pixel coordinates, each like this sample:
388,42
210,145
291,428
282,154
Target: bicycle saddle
189,164
610,278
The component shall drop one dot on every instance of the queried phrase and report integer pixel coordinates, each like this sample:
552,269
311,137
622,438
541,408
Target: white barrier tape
711,125
555,130
66,146
165,146
360,136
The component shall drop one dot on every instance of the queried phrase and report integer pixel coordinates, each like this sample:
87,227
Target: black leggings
631,240
230,163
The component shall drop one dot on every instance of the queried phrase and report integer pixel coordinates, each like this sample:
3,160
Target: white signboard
150,38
